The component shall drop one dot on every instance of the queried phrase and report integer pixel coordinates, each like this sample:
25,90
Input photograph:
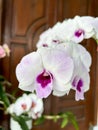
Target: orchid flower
22,105
84,28
80,80
44,71
82,62
76,29
36,109
50,37
71,30
27,104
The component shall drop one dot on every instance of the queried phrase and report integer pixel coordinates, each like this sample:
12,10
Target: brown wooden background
22,22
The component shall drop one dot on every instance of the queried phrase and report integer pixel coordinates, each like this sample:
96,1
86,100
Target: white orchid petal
22,105
59,93
62,87
43,92
85,57
58,63
27,69
79,95
80,80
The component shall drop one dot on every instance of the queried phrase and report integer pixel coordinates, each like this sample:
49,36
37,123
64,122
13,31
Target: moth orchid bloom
44,71
81,81
84,28
22,105
70,30
50,37
82,62
36,109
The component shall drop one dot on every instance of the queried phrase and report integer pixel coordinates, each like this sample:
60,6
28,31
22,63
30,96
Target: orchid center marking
24,106
79,32
45,45
44,78
78,83
56,41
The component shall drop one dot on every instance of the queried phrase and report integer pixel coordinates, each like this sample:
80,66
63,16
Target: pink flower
7,50
2,52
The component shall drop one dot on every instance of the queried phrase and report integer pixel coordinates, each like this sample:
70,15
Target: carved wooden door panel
23,22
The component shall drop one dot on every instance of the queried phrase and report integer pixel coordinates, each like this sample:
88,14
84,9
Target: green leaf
21,122
4,97
2,79
39,121
64,122
74,121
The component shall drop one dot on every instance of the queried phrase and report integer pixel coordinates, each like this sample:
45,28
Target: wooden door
23,22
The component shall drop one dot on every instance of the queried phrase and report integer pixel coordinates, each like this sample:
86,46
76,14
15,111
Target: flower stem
51,117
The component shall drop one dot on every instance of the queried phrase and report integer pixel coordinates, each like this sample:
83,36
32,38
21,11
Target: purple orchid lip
77,83
45,45
56,41
79,32
44,78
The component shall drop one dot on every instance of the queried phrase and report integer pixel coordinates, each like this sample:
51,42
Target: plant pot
15,126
